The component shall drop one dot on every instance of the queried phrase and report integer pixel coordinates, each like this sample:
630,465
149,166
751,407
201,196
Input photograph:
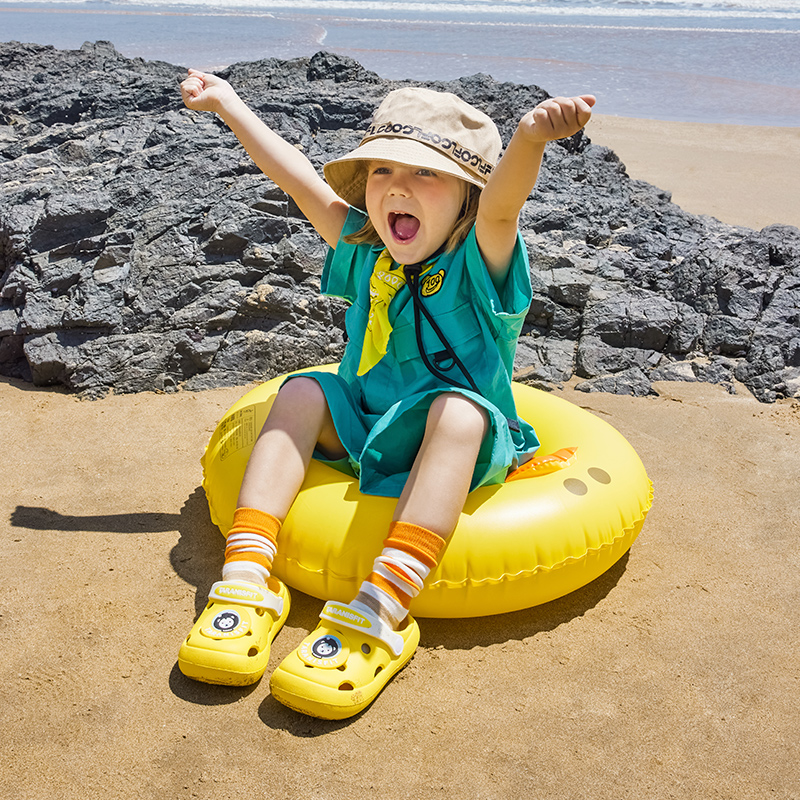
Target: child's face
413,209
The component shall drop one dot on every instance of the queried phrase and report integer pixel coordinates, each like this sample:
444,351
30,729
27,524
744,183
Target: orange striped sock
409,554
251,544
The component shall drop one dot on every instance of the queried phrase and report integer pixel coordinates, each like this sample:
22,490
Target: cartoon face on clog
326,647
226,621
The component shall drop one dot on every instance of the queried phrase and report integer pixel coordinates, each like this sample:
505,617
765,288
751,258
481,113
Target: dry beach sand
742,175
675,675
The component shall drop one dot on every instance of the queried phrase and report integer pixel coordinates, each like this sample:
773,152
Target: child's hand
557,118
202,91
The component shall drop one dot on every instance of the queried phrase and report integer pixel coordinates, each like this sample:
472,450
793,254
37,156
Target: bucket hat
422,128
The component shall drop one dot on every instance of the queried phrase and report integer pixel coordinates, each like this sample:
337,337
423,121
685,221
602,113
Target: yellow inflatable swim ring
517,545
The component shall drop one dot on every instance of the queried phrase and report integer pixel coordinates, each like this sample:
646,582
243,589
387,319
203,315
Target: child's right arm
274,156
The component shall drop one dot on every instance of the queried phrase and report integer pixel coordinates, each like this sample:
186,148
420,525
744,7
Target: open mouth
404,226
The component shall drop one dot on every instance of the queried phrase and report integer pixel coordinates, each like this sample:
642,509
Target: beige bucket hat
421,128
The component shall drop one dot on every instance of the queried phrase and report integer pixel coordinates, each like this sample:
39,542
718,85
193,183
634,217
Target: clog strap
361,618
245,593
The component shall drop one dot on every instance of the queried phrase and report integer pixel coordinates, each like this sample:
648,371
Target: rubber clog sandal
230,642
343,665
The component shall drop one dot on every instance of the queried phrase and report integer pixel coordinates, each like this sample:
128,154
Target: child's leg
437,487
230,642
342,666
429,507
298,422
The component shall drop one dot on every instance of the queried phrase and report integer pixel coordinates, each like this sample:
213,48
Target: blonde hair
466,219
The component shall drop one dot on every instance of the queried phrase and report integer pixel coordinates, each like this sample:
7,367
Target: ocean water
728,61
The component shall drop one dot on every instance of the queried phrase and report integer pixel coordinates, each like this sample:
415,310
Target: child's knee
300,403
301,393
456,415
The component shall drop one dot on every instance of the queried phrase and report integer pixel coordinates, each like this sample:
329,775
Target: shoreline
734,71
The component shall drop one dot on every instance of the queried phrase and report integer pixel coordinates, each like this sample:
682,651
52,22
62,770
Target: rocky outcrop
141,249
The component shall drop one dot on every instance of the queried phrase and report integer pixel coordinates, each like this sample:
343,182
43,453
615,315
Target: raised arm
515,176
274,156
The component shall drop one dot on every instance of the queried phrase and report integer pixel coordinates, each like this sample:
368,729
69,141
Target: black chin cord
412,278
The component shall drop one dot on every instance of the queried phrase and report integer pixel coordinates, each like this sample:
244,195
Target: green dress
380,417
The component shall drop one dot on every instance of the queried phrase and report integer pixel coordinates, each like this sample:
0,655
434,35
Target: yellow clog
231,640
341,667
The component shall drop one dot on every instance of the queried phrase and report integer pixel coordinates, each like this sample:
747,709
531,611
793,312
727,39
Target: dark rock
324,66
632,381
595,357
541,360
141,248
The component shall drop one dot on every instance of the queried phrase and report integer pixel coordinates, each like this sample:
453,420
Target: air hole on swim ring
253,651
600,475
346,687
366,649
575,486
342,668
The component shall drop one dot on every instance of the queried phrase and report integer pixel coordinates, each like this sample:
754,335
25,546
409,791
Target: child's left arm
515,176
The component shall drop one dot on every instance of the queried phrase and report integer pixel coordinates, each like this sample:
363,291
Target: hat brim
347,176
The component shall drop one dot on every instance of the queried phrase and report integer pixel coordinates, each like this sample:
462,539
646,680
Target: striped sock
251,544
409,554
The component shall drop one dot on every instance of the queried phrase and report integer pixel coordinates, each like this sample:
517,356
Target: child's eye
381,171
427,173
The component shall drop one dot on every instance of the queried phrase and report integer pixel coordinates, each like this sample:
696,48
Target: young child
422,224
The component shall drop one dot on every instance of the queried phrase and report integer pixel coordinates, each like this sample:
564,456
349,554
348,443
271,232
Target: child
422,222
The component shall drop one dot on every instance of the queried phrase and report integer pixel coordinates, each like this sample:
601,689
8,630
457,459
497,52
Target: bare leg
298,421
426,515
438,484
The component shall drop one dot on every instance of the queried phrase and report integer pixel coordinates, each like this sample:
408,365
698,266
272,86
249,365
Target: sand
674,675
742,175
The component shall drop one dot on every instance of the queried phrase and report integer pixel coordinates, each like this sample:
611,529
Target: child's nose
400,184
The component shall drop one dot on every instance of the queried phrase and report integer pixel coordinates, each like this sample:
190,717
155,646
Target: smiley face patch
432,283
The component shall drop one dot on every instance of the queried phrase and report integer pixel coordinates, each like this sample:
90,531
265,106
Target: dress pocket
458,326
